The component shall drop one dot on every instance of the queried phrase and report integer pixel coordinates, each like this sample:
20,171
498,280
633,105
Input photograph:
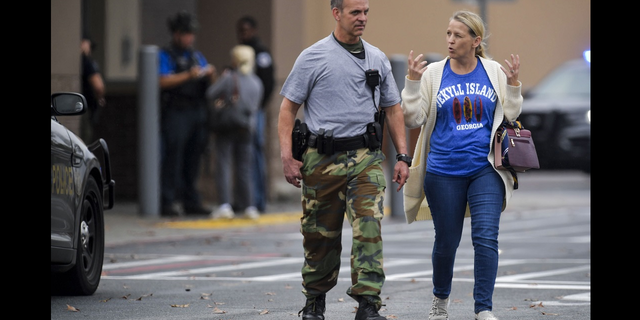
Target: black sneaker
314,309
196,210
368,311
170,212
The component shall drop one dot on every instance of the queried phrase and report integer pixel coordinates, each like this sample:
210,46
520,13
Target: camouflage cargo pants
351,182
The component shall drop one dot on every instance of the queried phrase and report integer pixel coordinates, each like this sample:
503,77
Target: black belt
342,144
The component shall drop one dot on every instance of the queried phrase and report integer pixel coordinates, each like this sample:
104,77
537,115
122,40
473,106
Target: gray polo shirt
331,84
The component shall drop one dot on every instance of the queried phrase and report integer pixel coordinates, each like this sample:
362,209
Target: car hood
543,104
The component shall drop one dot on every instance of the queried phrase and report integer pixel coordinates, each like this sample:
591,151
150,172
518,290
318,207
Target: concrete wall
544,33
65,50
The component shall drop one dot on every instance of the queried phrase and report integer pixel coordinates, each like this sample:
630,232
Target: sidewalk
125,223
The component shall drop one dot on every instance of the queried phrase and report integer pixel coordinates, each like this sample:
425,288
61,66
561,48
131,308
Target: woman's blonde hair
476,29
244,58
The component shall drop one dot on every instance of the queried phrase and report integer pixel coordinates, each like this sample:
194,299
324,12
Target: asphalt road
194,268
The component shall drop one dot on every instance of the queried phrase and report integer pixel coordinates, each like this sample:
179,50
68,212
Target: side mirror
68,104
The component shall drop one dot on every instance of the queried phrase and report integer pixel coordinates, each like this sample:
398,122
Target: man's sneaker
368,311
439,309
314,308
485,315
251,213
223,212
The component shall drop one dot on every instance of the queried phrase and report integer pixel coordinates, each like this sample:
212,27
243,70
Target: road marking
241,266
141,263
543,273
517,281
578,299
455,269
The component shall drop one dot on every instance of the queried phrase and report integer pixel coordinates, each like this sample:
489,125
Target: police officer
184,77
341,168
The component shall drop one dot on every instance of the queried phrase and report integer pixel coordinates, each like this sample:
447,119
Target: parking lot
252,271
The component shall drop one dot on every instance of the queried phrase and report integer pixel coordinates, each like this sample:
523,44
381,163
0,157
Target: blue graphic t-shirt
460,140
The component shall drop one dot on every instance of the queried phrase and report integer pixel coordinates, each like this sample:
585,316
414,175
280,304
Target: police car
558,113
81,189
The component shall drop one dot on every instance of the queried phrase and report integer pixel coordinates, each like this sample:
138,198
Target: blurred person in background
233,148
247,32
93,89
184,78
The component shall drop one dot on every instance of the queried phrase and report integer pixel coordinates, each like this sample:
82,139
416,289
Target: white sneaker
439,309
485,315
223,212
251,213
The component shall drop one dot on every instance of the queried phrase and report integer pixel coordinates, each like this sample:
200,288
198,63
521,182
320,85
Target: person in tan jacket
459,103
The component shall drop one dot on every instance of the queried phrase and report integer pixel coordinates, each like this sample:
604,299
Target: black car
558,113
81,189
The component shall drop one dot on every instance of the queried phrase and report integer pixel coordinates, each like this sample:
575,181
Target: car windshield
570,80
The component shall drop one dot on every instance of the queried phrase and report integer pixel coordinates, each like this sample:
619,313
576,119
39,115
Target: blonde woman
459,103
233,148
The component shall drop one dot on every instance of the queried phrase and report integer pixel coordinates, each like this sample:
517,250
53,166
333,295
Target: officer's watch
404,157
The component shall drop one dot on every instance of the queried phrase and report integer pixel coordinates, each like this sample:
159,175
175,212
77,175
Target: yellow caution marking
239,222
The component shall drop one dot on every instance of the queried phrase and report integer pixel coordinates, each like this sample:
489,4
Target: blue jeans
448,197
259,165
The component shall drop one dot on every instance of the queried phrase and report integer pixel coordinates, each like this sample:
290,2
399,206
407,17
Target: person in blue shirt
184,78
459,103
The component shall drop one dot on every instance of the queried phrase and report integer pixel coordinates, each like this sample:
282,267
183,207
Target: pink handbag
514,149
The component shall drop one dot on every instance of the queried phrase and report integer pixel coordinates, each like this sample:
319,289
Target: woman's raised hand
513,71
417,66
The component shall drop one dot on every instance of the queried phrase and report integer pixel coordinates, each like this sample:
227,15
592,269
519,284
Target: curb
264,219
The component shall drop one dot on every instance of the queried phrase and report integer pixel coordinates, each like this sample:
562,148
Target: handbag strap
512,124
517,126
515,178
236,93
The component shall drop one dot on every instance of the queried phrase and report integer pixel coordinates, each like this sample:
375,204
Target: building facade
544,33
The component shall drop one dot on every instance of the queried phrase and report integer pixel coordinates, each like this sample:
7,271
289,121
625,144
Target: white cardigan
419,108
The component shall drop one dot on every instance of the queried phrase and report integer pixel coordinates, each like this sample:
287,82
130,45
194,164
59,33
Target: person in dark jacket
247,31
93,89
184,78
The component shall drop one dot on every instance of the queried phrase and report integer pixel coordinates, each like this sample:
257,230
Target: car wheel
84,277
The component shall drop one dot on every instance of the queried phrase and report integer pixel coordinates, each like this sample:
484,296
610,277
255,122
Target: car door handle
77,156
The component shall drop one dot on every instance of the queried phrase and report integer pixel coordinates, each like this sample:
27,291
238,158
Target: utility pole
482,7
482,10
148,133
